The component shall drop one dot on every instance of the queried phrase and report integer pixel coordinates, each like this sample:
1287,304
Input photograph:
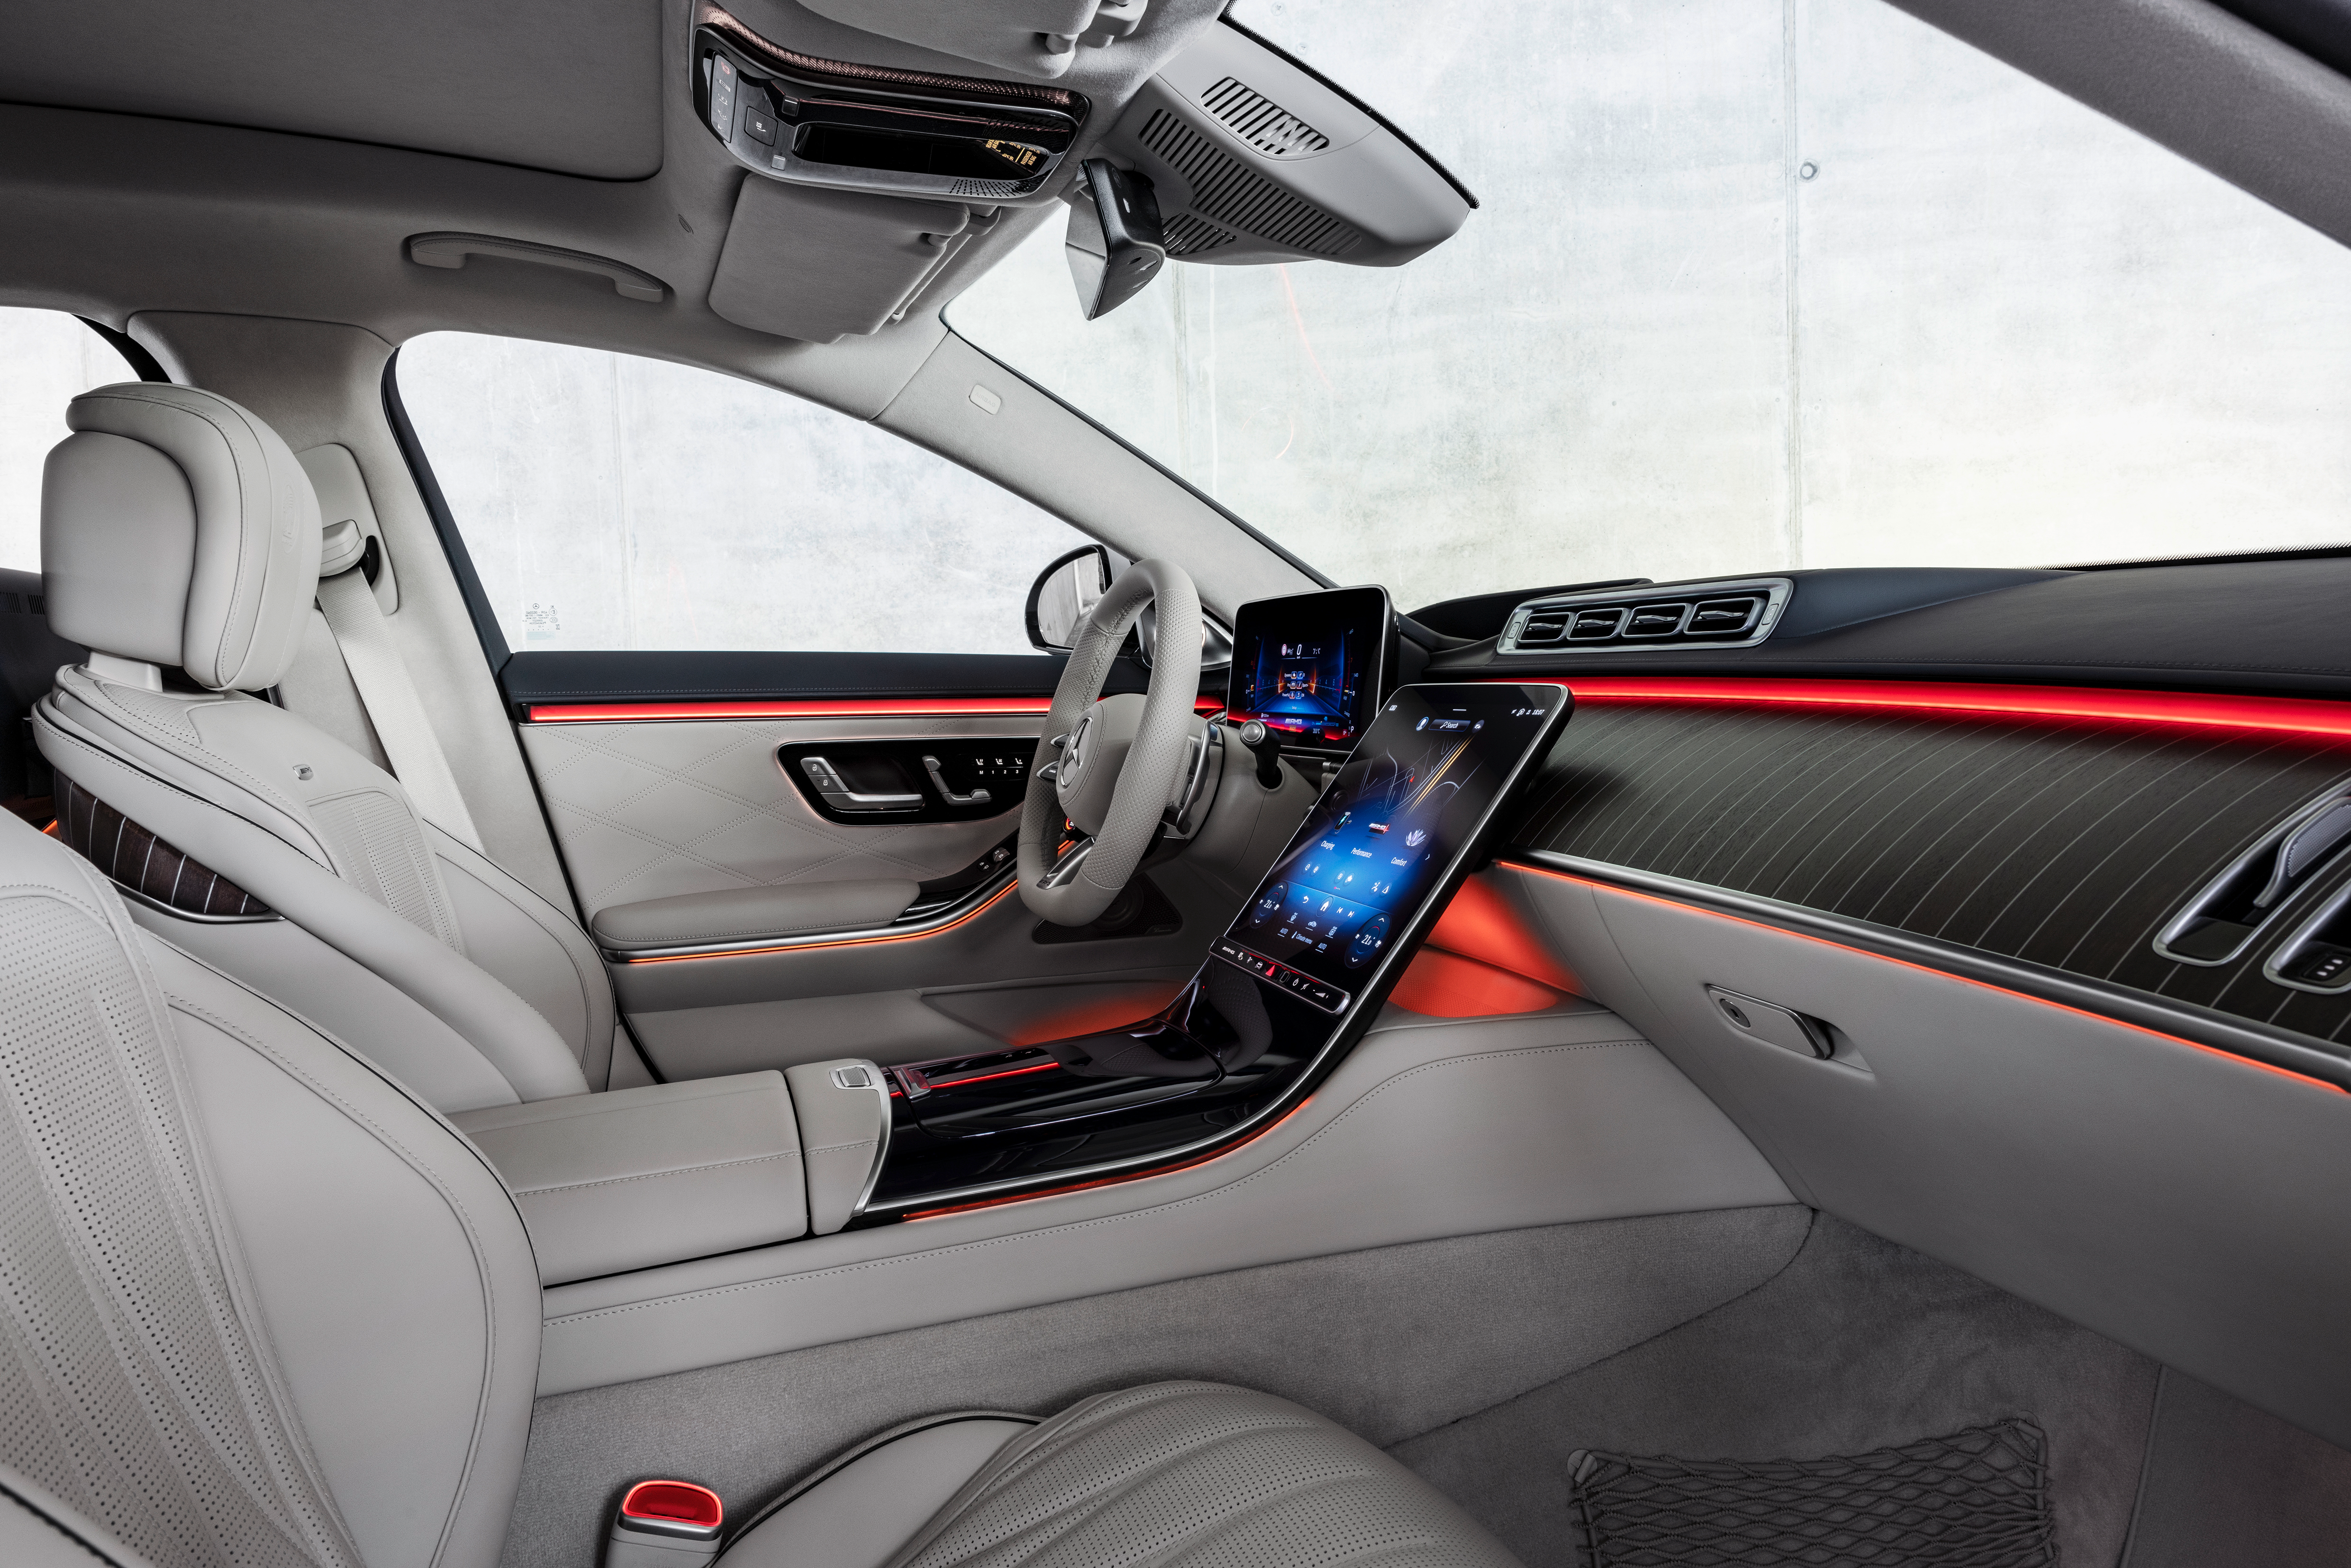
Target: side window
46,359
612,502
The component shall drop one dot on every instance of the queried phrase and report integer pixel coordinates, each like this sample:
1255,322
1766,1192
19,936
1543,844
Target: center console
1295,980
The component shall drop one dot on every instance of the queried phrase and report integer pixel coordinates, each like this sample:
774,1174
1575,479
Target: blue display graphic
1309,665
1314,686
1407,801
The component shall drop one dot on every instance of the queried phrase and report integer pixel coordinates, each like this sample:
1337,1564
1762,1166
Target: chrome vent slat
1729,614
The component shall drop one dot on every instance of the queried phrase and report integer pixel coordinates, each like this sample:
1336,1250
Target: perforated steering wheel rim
1072,889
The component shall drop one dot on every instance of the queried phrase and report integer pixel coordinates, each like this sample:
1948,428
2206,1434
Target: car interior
698,870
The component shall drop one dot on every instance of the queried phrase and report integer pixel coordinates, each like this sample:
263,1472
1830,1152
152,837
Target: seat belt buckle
665,1524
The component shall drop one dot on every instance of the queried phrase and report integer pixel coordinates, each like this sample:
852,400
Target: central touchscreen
1309,664
1409,801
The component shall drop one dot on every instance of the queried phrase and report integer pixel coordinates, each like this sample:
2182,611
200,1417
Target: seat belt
386,691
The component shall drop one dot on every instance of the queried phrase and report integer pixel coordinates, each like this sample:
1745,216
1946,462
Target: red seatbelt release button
665,1524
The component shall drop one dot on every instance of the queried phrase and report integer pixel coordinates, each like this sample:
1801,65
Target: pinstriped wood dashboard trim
2065,840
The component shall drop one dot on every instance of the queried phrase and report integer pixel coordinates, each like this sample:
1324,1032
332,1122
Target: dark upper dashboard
2281,626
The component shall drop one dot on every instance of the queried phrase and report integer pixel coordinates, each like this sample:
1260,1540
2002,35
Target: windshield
1750,287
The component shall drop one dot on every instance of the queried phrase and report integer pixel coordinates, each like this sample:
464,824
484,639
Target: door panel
653,809
666,775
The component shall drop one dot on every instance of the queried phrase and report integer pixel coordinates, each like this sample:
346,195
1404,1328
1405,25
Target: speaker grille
1261,122
1229,194
985,188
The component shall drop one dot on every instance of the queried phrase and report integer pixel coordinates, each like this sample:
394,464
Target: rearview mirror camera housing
1115,243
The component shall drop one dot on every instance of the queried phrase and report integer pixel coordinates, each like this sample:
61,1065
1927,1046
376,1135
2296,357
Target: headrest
177,528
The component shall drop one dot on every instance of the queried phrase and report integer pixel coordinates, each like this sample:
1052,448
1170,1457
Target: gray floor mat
1857,1344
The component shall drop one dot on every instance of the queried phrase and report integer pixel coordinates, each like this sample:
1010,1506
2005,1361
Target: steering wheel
1110,767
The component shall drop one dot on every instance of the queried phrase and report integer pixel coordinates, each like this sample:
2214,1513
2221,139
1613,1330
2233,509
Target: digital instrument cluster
1309,666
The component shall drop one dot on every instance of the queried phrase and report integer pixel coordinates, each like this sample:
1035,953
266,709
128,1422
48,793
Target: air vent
1261,122
1229,194
2221,922
1718,615
1188,233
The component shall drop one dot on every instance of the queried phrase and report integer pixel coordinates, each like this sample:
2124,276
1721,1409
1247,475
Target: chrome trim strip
880,1086
2264,1044
160,907
961,909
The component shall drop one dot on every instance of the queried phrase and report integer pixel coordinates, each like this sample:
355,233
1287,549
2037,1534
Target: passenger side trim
2240,1041
2294,716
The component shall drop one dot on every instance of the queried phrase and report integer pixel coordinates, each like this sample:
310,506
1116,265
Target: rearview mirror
1064,594
1115,244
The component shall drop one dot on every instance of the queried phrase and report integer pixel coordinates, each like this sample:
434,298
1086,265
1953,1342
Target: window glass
1752,285
46,359
613,502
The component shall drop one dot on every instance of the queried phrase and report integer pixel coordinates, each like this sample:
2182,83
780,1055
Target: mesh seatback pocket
1975,1499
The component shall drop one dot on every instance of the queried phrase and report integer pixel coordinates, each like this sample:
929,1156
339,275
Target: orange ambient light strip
877,937
827,707
2311,717
2228,1056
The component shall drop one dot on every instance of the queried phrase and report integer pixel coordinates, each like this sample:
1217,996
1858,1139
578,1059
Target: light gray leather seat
179,532
259,1306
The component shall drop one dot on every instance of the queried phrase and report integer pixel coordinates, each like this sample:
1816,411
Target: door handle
939,782
841,798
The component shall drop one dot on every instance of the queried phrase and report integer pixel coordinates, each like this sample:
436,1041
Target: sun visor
820,265
1254,160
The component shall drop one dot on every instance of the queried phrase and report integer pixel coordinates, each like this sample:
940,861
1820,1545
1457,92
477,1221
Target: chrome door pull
841,798
939,782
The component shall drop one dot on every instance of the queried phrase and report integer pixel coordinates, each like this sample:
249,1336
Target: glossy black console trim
2219,1032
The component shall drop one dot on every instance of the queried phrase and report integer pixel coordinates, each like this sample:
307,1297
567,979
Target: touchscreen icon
1269,904
1372,937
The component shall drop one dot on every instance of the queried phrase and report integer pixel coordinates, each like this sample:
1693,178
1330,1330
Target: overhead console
813,121
1286,991
1253,158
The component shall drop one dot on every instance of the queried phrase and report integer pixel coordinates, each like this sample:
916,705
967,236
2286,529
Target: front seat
260,1307
178,532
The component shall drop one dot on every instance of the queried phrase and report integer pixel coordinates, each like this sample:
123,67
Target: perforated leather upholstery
260,1308
166,521
1180,1475
257,1306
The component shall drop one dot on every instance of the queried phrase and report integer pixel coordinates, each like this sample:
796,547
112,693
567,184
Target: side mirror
1115,244
1064,594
